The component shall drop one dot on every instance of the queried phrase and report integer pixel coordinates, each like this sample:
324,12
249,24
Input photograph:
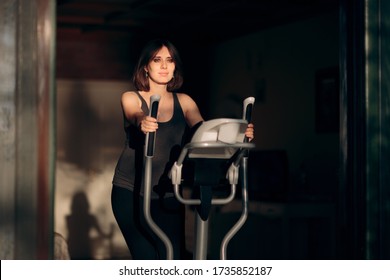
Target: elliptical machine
218,148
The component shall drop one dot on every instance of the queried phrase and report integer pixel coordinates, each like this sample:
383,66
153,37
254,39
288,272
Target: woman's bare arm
132,109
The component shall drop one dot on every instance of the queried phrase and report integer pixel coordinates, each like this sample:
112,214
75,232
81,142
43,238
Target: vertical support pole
244,215
201,238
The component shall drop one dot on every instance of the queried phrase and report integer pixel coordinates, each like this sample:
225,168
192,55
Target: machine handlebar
150,136
247,111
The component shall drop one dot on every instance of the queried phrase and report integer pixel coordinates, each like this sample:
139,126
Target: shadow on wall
81,134
80,223
89,141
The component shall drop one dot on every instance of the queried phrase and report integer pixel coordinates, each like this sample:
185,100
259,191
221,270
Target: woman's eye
158,60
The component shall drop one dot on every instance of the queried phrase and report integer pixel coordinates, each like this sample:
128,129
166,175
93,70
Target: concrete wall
26,128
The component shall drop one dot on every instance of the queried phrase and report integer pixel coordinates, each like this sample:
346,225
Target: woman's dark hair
141,81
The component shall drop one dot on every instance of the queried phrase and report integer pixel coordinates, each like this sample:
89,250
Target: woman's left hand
250,132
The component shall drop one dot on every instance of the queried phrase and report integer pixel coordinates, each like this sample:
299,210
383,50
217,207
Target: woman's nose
163,64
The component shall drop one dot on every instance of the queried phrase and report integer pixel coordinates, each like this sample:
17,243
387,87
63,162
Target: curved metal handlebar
149,152
247,115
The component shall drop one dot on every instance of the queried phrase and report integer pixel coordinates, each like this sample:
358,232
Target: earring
146,74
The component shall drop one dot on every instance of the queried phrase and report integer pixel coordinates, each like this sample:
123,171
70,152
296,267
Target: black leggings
143,244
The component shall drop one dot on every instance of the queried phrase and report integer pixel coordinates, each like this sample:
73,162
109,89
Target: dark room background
319,180
290,65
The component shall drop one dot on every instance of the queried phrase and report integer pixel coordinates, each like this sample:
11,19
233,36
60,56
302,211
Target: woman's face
161,68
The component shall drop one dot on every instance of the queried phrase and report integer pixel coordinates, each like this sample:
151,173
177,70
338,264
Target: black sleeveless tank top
129,169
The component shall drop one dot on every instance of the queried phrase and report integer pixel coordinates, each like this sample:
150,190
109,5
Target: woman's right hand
148,124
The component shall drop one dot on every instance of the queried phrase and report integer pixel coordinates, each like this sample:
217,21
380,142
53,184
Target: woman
158,71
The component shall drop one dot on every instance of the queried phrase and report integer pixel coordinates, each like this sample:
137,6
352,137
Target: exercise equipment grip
150,136
247,111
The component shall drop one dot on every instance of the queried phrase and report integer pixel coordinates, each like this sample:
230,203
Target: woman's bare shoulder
129,94
190,109
130,97
184,98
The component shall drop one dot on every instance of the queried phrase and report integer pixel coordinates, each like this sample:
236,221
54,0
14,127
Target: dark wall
94,56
